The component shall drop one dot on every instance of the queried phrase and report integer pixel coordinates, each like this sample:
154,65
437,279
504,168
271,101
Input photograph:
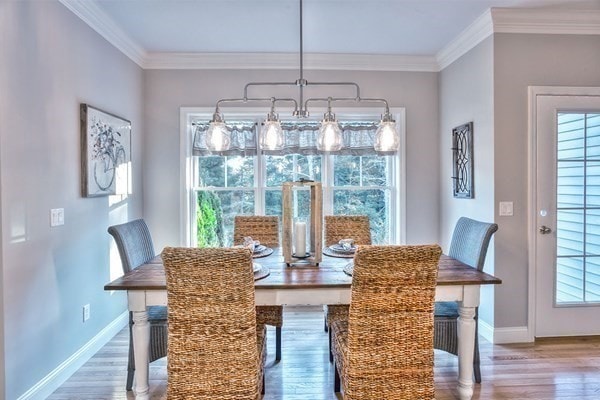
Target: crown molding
99,21
480,29
520,20
348,62
560,22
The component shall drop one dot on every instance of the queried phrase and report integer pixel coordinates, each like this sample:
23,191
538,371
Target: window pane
346,170
209,219
592,184
375,171
571,129
592,279
569,233
592,232
234,202
593,136
211,171
374,203
220,171
292,167
273,203
569,279
240,171
569,184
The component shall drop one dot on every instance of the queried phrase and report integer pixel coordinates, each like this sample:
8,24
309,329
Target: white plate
255,267
340,249
259,249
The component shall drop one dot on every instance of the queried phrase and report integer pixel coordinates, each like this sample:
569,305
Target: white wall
466,94
52,62
168,90
520,61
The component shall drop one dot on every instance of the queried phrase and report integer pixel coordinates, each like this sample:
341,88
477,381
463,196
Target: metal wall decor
462,161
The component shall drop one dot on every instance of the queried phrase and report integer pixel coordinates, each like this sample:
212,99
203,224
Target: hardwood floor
550,369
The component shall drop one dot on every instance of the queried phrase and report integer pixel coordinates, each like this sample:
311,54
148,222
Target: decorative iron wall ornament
462,161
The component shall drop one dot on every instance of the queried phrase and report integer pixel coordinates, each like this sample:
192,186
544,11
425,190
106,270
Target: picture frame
462,161
106,152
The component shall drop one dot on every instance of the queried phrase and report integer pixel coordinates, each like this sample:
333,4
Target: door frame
533,93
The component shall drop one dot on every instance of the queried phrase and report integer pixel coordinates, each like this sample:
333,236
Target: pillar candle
300,238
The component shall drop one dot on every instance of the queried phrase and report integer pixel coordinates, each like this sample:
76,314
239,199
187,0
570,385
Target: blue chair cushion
446,309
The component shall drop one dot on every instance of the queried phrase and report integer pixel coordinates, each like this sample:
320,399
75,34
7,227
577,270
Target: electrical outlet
86,312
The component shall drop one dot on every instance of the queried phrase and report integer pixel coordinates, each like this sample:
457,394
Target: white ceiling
407,27
346,34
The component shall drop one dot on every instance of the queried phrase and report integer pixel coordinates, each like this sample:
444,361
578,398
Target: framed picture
462,161
106,152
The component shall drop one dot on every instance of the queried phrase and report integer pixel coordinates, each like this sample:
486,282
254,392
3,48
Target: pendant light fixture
330,134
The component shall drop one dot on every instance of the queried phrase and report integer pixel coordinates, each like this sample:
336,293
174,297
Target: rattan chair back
213,350
260,227
338,227
390,324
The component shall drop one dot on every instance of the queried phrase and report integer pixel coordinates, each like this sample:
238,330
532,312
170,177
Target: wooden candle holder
316,219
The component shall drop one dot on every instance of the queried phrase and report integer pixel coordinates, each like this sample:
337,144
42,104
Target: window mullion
260,184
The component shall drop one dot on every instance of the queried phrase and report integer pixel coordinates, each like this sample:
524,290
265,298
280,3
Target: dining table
305,284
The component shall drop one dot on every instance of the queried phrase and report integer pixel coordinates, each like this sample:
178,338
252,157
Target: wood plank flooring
549,369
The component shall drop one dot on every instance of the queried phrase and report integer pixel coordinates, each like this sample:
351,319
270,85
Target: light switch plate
506,209
57,216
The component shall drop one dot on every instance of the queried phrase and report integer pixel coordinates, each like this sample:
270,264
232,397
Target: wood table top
329,273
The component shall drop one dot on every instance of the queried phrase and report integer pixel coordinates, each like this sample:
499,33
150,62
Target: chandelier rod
301,106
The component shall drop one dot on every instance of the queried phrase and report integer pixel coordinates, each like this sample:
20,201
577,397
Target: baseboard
60,374
514,334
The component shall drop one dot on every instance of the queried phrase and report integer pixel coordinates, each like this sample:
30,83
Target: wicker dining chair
385,348
266,230
470,241
216,348
136,248
338,227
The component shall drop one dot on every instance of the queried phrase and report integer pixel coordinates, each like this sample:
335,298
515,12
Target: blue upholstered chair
136,248
469,245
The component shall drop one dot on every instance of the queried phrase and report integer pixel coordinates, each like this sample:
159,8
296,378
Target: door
568,216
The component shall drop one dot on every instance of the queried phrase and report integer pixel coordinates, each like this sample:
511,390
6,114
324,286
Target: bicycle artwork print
106,152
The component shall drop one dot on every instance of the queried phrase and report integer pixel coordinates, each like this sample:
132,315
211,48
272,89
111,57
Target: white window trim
187,114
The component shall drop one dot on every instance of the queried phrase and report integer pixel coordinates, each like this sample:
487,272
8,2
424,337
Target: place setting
258,250
345,248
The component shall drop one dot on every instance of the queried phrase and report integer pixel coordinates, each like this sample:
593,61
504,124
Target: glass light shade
386,137
330,136
217,138
271,136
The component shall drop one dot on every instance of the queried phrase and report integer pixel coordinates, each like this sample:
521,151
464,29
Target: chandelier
329,138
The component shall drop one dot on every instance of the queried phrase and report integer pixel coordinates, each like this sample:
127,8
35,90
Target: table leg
141,346
466,346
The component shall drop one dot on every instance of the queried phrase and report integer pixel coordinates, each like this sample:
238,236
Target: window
219,187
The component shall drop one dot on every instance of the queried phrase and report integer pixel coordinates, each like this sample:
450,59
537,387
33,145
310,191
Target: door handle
544,230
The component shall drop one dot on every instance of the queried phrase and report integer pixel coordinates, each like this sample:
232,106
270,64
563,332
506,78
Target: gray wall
520,61
51,62
466,94
168,90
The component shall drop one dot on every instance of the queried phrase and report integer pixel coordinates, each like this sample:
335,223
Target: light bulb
330,136
271,136
217,138
386,137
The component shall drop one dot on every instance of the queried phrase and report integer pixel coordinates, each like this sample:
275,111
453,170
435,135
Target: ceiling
406,27
384,35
